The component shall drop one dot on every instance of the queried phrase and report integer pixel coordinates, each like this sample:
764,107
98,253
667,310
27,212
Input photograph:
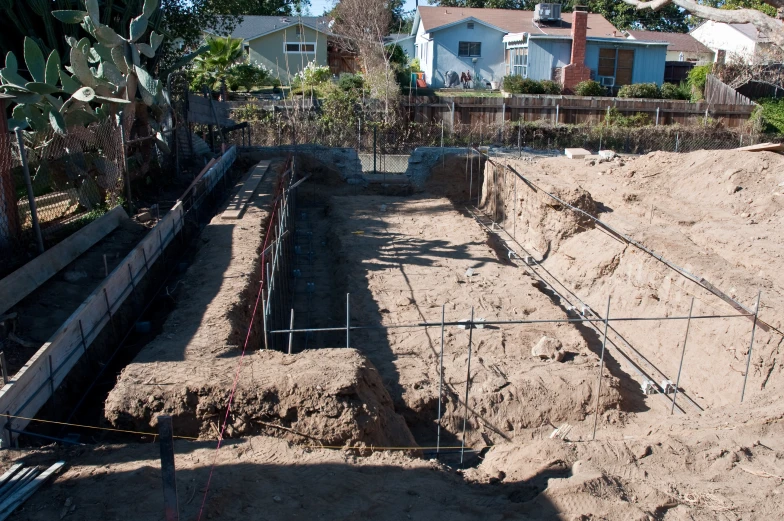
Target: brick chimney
576,71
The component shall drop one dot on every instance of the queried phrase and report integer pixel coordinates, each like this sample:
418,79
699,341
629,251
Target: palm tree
215,62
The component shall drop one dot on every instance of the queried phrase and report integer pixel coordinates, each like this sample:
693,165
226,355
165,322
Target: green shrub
416,66
248,76
615,118
590,88
551,87
640,90
312,75
696,80
518,85
772,114
248,112
672,91
349,82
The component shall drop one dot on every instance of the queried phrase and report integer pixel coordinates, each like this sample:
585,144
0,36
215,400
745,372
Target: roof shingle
512,21
677,41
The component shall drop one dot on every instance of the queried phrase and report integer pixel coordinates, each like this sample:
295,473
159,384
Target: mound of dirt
330,397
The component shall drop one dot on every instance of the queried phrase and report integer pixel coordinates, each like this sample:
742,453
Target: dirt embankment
405,258
715,214
324,397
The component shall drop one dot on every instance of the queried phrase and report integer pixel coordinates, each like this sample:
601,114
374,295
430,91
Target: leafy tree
259,7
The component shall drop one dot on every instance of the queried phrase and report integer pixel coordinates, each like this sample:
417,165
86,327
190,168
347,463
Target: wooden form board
246,191
30,388
29,277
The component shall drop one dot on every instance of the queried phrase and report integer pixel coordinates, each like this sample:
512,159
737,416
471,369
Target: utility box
547,13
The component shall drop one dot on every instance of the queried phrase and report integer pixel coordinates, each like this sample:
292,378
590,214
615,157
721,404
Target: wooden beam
247,188
32,275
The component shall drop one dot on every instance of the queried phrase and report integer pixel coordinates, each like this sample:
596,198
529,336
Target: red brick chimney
576,71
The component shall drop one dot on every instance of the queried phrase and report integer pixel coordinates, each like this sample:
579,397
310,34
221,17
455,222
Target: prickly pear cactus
103,74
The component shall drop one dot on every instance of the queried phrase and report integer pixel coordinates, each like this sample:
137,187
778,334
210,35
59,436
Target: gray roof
748,30
677,41
254,26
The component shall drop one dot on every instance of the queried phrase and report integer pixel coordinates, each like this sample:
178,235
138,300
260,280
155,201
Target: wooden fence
719,93
477,111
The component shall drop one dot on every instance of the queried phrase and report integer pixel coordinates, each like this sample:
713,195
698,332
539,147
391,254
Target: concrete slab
576,153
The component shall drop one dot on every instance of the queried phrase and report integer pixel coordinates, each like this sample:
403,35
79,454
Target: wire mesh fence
62,181
384,147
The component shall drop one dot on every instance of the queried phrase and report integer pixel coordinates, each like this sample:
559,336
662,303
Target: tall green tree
260,7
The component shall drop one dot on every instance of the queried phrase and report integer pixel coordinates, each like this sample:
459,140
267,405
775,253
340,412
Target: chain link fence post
30,193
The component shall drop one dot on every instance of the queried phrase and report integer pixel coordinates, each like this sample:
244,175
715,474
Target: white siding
719,36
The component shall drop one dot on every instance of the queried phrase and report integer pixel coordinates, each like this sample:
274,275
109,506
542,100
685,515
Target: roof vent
547,13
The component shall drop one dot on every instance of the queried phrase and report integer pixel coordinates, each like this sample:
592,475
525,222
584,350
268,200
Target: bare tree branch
767,25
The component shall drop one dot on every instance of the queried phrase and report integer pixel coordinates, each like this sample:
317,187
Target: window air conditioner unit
607,81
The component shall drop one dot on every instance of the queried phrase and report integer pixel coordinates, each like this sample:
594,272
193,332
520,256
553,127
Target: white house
682,47
732,42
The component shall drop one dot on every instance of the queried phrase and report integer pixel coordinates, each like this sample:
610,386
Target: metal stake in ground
291,330
165,431
348,320
751,346
440,381
683,352
601,368
30,194
468,384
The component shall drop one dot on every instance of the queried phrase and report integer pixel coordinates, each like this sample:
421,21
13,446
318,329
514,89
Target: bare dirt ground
401,259
404,259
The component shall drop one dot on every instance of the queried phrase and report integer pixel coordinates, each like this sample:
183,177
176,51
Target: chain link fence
385,147
54,184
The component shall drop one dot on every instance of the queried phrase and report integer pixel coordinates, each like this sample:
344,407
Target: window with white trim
519,61
299,48
469,49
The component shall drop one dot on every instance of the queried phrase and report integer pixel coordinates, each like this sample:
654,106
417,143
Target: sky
317,7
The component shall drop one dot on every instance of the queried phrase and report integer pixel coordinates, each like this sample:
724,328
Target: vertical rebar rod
264,320
683,353
471,182
751,346
4,367
291,330
126,170
519,135
601,368
348,320
39,239
468,384
440,382
514,218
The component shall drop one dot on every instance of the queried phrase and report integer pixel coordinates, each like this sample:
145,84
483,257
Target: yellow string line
141,433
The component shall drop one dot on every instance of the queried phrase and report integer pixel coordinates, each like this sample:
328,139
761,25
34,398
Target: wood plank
764,147
13,502
247,188
32,275
30,388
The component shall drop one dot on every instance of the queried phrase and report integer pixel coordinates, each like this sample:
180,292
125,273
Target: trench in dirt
81,397
326,267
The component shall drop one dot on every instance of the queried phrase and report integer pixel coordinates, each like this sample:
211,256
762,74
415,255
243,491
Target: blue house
568,48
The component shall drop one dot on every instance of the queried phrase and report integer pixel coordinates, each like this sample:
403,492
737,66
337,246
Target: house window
469,49
299,48
470,25
518,59
617,64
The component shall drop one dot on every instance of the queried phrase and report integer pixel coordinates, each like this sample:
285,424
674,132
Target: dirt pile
680,206
403,259
329,397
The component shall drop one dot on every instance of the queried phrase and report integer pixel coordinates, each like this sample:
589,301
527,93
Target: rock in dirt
144,217
731,189
548,349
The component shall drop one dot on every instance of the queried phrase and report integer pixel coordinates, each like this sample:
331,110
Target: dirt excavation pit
713,215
